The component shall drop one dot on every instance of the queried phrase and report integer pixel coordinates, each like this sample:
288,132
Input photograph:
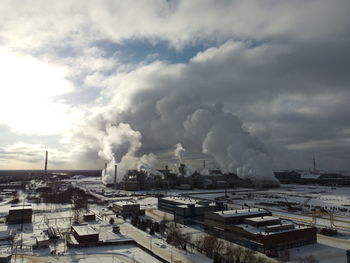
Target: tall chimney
115,176
105,169
203,164
47,153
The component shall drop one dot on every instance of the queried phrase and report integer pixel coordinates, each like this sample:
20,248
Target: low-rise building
84,234
89,217
228,217
257,229
5,257
186,210
42,241
127,208
19,214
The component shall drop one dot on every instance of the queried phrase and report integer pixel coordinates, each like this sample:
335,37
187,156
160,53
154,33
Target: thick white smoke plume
149,113
179,152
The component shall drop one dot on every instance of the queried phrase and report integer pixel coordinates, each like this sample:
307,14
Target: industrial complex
56,213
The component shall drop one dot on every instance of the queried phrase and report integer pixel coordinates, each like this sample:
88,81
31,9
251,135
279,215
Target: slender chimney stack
314,162
47,153
115,176
203,164
105,169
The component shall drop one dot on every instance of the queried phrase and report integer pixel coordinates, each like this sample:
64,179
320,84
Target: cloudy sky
101,80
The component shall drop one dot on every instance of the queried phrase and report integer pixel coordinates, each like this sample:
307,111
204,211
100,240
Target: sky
241,83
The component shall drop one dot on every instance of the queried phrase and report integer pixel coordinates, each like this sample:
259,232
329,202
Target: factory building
257,229
19,214
127,208
84,234
186,210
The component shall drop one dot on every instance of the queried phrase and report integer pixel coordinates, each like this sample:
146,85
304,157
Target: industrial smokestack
46,156
203,164
115,176
105,169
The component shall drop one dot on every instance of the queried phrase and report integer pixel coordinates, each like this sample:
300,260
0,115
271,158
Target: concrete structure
186,210
42,241
19,214
84,234
6,234
126,208
5,258
257,229
89,217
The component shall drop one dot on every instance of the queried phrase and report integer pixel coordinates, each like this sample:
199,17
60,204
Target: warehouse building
127,208
187,210
257,229
19,214
84,234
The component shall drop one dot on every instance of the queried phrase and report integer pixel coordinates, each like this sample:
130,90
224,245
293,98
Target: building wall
185,214
218,219
293,238
19,216
167,205
127,209
228,229
85,238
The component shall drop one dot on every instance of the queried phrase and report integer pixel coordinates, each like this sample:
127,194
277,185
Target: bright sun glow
29,101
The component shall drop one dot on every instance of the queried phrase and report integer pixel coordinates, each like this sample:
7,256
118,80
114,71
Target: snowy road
160,247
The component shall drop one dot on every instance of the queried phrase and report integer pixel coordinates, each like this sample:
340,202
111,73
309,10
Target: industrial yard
286,223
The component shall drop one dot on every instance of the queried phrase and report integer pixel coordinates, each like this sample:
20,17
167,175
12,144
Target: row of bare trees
225,252
219,250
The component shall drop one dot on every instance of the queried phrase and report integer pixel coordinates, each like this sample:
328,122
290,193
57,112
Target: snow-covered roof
242,212
262,218
122,203
309,176
183,200
262,229
84,230
186,206
21,207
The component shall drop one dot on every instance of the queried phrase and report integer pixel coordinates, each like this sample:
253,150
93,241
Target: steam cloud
179,152
146,116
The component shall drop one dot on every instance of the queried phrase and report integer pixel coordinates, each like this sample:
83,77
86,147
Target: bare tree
238,251
248,255
177,238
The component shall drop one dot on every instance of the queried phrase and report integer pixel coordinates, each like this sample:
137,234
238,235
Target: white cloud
281,66
30,96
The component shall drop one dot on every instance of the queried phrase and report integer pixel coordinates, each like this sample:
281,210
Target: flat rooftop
242,212
262,230
21,207
186,206
182,200
84,230
262,219
186,200
122,203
